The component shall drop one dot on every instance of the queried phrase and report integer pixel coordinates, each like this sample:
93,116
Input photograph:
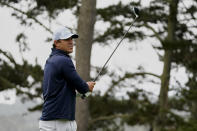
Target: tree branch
193,17
143,73
154,31
8,56
130,75
29,16
5,84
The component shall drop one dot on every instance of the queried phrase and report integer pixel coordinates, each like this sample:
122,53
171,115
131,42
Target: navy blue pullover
59,85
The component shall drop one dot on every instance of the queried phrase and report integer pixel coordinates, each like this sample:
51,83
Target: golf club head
136,11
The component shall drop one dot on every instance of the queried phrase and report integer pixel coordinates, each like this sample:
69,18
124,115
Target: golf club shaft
88,93
113,51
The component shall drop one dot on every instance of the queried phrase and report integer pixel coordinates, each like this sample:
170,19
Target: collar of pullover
57,51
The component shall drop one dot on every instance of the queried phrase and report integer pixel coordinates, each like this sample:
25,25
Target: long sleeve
72,76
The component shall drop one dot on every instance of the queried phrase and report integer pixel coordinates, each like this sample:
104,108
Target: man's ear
56,42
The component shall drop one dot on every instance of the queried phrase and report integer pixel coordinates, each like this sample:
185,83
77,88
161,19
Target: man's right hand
91,85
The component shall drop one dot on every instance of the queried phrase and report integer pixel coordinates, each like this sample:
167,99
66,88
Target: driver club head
136,11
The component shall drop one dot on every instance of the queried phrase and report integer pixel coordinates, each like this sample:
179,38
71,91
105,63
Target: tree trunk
163,97
87,17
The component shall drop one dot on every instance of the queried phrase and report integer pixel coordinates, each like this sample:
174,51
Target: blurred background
150,84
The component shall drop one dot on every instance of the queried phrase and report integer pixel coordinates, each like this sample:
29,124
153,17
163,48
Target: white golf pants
57,125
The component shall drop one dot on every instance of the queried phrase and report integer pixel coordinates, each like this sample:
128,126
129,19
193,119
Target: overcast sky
142,52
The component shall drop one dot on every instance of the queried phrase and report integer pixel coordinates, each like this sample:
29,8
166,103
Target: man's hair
54,46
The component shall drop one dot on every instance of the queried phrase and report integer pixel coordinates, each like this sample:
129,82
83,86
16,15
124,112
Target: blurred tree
87,18
25,78
177,40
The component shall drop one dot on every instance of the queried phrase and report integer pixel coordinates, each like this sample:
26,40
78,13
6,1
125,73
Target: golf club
136,13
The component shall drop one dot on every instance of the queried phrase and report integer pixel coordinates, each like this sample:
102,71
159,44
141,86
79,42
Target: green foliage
55,6
118,21
11,1
184,52
21,39
16,76
50,6
108,111
189,126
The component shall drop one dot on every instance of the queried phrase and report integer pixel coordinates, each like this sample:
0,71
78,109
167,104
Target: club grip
85,95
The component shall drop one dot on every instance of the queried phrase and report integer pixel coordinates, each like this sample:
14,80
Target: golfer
60,84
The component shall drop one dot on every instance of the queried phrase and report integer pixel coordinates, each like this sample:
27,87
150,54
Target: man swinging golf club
59,85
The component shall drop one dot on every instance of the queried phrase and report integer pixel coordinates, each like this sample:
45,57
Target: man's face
66,45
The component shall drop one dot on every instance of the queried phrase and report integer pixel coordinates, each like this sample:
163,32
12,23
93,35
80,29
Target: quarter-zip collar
55,51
